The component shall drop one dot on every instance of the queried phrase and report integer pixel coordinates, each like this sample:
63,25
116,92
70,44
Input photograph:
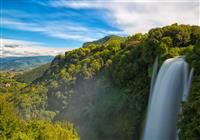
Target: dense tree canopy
103,87
12,127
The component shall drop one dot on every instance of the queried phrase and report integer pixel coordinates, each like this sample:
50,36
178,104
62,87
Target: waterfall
169,87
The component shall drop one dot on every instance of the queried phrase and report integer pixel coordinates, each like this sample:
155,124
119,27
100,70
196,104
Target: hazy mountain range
23,63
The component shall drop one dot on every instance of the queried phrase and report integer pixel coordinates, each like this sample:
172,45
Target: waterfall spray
168,88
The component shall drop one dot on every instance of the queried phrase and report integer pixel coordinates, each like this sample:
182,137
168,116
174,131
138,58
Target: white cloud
140,17
53,29
133,16
58,29
12,47
76,4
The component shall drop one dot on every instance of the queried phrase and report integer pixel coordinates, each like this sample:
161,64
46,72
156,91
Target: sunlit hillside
102,88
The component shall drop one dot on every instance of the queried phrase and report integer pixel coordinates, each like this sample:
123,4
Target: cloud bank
18,48
133,16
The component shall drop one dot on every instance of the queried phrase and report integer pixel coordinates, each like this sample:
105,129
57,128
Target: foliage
99,72
103,87
189,121
9,84
12,127
30,76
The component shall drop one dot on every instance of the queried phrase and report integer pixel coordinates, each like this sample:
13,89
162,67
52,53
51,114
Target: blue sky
65,24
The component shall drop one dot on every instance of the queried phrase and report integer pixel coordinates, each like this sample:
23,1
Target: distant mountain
23,63
105,40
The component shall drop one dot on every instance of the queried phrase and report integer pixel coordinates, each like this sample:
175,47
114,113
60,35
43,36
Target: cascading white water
168,88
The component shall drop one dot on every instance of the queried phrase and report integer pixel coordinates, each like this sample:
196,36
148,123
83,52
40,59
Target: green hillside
9,84
103,87
12,127
104,41
17,125
29,76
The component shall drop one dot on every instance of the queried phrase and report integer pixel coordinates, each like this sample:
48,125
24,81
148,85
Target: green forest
99,91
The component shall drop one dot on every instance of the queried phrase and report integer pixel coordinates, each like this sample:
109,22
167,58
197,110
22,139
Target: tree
9,121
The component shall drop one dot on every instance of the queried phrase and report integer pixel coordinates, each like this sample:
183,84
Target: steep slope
103,87
23,63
